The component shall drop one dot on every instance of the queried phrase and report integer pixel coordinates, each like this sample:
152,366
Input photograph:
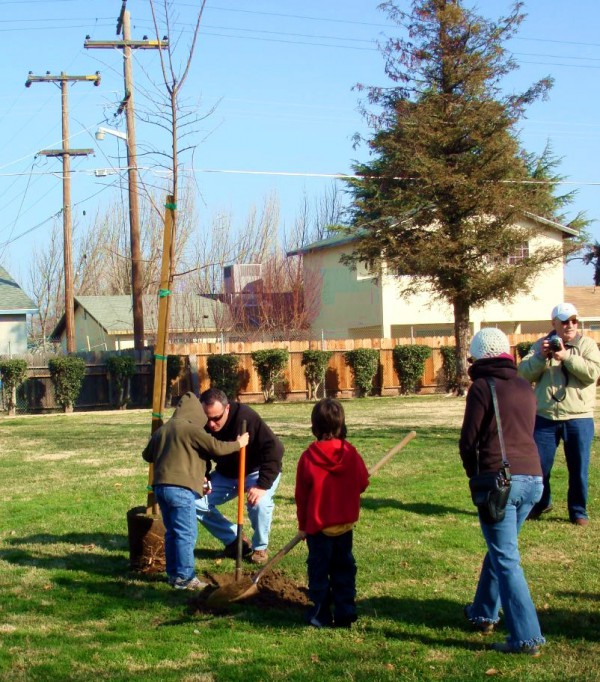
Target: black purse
490,491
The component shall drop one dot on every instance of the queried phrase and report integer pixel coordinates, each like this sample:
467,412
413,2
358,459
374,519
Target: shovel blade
234,591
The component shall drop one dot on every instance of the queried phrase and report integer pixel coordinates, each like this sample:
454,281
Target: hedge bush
364,363
67,373
120,370
13,373
315,365
269,365
409,363
523,348
449,370
224,373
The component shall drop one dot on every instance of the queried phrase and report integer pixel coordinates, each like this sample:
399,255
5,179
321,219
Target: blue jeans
179,516
577,436
225,489
502,581
331,577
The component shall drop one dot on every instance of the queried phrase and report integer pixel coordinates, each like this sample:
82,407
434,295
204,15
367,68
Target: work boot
259,556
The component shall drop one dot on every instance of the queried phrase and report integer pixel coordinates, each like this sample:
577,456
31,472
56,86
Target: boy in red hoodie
330,478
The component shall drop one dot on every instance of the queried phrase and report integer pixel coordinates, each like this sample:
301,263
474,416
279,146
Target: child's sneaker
345,621
319,617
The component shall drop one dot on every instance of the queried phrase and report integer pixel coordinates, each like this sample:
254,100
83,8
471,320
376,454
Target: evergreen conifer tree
442,200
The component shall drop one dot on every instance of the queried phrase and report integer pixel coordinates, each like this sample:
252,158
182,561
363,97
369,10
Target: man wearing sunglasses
565,367
264,453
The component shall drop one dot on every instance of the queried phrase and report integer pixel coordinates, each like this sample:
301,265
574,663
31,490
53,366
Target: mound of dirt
275,591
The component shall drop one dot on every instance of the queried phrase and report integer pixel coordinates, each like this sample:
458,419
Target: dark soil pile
275,591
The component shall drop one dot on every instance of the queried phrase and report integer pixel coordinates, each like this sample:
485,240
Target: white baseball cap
564,311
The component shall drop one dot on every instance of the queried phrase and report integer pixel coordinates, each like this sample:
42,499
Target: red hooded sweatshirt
330,478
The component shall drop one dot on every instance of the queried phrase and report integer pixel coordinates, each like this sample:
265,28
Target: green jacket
180,448
564,390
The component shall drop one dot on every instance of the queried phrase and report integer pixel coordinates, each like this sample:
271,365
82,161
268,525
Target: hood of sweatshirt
498,368
328,454
190,409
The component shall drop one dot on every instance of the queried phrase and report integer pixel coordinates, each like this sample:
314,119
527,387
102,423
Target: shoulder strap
492,385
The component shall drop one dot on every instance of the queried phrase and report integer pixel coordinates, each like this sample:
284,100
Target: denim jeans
331,577
502,581
577,436
179,516
225,489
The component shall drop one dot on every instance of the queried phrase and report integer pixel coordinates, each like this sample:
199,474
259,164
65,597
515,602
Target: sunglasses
216,420
571,320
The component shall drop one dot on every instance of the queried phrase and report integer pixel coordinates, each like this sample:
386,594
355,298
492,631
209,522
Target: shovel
246,587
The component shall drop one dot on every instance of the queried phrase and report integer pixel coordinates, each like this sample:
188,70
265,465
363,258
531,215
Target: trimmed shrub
13,373
523,348
449,368
224,373
364,363
67,373
315,365
409,363
120,370
269,365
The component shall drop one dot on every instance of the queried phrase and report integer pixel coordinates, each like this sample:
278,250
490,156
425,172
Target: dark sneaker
259,556
504,648
230,550
484,627
319,617
316,623
580,521
192,584
345,621
535,514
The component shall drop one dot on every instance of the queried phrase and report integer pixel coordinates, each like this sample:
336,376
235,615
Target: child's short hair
328,420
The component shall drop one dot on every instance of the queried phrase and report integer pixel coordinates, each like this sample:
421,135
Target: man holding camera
564,366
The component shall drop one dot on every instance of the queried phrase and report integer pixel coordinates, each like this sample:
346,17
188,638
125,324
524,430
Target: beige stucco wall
350,302
347,300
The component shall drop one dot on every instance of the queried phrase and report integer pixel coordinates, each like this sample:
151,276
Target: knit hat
564,311
489,343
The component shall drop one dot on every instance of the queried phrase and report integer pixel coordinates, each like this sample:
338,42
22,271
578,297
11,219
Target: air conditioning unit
241,278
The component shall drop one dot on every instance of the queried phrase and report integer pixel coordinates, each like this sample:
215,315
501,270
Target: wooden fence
37,393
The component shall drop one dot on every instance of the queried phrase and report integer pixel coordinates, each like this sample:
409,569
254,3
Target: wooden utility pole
127,104
66,154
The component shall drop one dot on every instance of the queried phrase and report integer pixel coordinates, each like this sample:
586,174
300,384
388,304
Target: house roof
13,300
586,300
335,240
341,239
188,312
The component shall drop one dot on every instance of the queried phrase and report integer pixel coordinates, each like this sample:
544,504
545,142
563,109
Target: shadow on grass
81,553
442,613
421,508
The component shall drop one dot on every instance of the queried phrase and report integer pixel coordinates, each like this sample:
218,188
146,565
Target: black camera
555,344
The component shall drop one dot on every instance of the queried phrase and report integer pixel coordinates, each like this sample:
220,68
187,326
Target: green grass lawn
70,609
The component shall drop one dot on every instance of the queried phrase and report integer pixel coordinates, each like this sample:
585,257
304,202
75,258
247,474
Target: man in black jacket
263,472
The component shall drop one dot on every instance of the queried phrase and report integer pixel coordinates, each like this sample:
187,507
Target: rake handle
375,468
278,557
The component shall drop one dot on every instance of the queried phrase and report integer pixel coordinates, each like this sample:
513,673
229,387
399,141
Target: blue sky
280,75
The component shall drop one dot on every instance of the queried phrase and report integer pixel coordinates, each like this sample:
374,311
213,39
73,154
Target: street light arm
101,132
